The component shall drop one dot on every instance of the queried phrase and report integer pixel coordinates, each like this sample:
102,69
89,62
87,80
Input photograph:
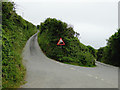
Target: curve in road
43,72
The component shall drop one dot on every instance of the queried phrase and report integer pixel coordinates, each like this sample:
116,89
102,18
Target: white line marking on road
90,75
102,79
72,68
96,77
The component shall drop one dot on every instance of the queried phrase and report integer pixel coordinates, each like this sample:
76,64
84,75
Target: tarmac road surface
43,72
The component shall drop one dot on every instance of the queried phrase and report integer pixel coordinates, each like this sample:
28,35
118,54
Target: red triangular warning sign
60,42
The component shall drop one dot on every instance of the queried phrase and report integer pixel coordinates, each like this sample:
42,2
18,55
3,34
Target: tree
38,26
92,50
100,53
114,46
77,34
110,53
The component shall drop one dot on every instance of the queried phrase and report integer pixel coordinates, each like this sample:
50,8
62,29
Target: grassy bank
15,32
73,52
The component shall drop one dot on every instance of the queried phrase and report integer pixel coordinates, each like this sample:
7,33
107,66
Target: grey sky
96,21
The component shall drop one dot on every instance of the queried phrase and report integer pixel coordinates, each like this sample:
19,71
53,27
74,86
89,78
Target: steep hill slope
73,52
15,32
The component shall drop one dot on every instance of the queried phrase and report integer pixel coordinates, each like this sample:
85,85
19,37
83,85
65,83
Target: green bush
92,50
66,59
51,31
110,53
15,33
86,59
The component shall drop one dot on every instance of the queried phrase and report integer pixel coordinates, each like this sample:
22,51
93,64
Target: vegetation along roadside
73,52
15,33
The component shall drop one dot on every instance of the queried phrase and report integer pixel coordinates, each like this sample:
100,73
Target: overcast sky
95,20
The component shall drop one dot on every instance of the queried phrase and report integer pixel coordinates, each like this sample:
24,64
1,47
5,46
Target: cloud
95,22
63,1
92,34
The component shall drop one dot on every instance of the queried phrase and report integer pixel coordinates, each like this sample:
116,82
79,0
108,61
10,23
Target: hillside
110,54
73,52
15,32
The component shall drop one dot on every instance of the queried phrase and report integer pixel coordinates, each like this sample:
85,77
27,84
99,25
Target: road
43,72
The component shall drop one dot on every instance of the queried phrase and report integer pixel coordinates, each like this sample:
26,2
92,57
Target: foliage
72,52
100,54
38,26
15,33
0,56
92,50
0,43
110,53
